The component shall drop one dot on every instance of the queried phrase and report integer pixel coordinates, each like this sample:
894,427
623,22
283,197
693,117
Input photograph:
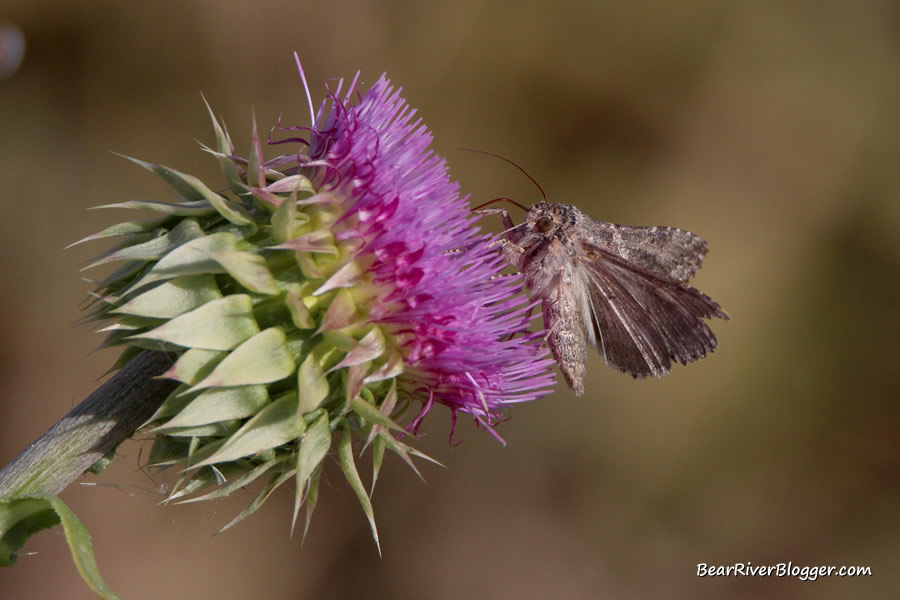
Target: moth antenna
510,200
513,163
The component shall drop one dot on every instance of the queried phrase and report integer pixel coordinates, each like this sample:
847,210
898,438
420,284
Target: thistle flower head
339,288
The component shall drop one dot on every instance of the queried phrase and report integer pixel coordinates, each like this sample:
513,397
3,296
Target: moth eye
544,224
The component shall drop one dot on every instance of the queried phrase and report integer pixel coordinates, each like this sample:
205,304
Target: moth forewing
669,251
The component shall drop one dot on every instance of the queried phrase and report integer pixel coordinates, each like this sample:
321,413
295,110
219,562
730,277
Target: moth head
544,224
544,218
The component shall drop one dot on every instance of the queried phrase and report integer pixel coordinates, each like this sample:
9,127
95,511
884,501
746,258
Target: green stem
105,418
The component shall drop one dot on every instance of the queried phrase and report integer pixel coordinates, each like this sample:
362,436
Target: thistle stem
109,415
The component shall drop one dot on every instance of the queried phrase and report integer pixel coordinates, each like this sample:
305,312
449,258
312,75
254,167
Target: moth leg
511,252
510,229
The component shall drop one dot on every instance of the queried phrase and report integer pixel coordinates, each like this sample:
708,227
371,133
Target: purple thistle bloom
463,331
318,296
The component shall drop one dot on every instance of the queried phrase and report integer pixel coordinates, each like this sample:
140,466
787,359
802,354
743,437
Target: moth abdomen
567,342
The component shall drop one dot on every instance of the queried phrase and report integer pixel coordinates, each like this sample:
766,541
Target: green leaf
287,273
130,323
20,518
340,339
312,386
170,176
377,458
121,277
349,275
405,452
250,270
192,188
341,312
125,228
391,368
217,325
191,483
195,208
284,220
232,212
313,448
370,347
300,314
270,487
173,298
348,466
402,450
256,171
321,242
309,265
386,408
263,358
273,426
190,457
195,364
192,258
291,184
103,462
247,478
353,382
120,334
371,415
221,429
166,451
225,151
298,343
312,496
217,405
156,248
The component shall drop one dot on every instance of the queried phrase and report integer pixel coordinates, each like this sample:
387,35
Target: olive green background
771,129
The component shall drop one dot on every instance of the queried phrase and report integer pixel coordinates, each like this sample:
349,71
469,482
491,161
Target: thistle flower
341,288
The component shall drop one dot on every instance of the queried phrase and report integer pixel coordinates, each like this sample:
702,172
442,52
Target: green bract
260,306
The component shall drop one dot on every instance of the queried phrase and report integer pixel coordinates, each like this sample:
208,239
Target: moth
620,288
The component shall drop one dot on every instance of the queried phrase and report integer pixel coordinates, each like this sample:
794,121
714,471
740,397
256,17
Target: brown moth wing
669,251
643,320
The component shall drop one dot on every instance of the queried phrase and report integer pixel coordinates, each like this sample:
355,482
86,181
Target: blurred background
771,129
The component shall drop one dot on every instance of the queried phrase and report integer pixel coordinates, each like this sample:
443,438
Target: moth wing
668,251
641,320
